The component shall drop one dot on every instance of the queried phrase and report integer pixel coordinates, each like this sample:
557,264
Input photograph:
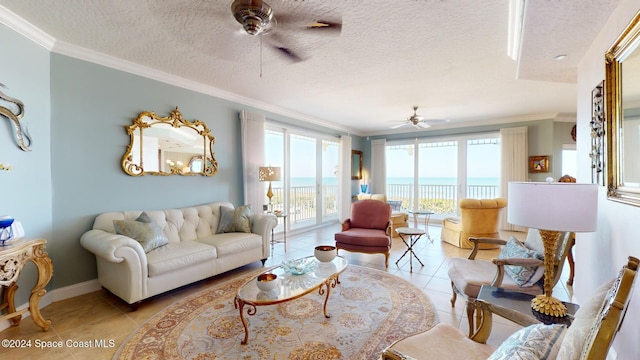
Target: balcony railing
302,202
441,199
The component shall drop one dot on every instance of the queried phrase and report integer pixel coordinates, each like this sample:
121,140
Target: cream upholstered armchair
522,263
478,218
398,218
589,337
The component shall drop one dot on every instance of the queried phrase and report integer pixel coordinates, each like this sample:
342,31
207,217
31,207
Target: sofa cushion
531,343
521,275
234,220
178,256
232,243
143,230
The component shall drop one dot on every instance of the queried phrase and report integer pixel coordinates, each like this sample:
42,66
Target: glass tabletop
421,212
292,286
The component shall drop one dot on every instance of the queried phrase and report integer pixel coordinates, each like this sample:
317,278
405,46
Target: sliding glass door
309,187
435,173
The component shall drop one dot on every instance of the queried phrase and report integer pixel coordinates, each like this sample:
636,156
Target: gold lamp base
548,305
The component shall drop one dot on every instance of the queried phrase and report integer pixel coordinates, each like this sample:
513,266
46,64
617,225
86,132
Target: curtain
514,166
252,132
344,185
378,167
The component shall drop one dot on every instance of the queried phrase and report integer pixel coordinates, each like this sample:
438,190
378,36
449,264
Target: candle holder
6,231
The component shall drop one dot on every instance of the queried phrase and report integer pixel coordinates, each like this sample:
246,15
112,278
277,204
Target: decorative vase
363,188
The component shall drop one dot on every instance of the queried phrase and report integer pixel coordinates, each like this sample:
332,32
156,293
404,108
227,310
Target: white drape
378,167
513,167
344,184
252,130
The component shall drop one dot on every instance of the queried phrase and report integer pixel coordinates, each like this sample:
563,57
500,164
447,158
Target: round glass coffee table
322,277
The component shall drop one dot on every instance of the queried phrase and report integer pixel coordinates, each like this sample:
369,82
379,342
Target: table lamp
269,173
552,208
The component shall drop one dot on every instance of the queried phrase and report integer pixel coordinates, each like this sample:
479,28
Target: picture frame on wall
539,164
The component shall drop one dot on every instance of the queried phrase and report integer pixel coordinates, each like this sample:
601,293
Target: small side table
282,216
13,257
412,235
516,307
427,215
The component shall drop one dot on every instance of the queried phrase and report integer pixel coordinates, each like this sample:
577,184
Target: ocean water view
310,181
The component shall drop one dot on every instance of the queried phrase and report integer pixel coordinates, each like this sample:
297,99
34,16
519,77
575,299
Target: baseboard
52,296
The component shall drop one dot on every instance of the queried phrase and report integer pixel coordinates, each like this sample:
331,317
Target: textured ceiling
449,57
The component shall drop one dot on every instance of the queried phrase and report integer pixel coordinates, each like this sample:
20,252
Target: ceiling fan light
254,15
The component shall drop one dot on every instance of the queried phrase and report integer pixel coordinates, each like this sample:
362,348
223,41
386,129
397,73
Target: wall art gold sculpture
169,146
14,117
597,133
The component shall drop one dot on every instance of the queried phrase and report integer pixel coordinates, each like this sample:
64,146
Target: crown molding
26,29
21,26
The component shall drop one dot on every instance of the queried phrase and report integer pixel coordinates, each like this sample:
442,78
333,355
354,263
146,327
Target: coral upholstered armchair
368,230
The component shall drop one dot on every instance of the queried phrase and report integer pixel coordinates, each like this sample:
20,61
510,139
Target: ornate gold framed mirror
356,164
169,146
622,101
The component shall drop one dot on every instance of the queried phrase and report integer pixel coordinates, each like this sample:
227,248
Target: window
434,173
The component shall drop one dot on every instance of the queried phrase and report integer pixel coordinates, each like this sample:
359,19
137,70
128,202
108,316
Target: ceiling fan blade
399,125
284,48
422,125
324,25
288,53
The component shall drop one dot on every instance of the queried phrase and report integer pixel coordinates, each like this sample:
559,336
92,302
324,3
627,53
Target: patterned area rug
369,310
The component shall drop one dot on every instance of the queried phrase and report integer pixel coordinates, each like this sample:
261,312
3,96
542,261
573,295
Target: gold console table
13,257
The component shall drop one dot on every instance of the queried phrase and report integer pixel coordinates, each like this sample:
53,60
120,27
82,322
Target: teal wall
26,191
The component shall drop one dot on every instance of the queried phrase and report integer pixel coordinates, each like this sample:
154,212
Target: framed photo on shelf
539,164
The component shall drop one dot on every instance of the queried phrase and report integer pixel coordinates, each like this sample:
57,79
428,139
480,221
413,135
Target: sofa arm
262,224
106,245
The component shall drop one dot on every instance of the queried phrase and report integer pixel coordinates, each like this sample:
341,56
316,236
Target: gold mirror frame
164,130
356,165
622,48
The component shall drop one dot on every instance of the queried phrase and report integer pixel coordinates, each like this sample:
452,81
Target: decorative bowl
267,282
325,253
299,266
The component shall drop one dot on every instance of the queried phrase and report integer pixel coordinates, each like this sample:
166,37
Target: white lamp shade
553,206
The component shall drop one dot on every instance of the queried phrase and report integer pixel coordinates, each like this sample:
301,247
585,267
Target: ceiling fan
418,121
257,18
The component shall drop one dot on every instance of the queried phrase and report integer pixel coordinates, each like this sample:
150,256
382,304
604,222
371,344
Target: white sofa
194,250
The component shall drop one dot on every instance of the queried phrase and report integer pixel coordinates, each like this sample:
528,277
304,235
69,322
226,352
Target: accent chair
523,264
589,337
478,218
398,218
368,230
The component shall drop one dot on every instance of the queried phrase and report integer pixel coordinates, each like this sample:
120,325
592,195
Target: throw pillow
522,275
144,230
531,343
234,220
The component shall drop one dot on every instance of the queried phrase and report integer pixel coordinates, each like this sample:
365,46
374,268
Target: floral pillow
234,220
144,230
522,275
532,343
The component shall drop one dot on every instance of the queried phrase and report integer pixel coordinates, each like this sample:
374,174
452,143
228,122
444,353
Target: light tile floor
100,315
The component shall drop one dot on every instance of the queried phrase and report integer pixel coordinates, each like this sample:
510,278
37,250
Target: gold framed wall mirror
169,146
622,111
356,165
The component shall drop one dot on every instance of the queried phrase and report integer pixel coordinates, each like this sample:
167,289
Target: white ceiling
449,57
